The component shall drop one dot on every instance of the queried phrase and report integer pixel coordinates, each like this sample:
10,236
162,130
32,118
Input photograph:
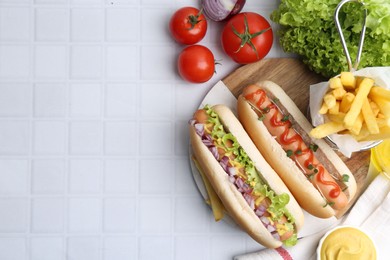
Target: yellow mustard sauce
347,243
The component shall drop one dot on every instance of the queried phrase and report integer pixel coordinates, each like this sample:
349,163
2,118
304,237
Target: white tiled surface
93,134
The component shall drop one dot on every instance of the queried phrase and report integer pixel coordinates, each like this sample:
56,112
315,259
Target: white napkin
371,213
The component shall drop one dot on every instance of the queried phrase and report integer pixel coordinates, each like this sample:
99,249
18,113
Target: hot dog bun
237,207
308,196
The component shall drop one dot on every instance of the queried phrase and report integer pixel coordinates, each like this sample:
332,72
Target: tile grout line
31,142
103,87
67,160
65,238
138,146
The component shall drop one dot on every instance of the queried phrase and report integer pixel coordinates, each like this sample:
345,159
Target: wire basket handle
363,32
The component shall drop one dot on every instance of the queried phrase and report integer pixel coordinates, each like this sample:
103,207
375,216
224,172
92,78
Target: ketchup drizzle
290,136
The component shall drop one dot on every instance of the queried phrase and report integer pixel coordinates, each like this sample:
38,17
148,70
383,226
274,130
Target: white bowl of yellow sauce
346,242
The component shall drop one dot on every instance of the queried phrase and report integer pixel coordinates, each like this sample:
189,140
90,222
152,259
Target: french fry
369,118
346,102
380,115
335,109
362,134
357,103
323,109
326,129
357,126
375,108
380,92
384,134
348,80
335,83
383,122
355,106
358,80
338,118
215,202
384,106
338,93
329,100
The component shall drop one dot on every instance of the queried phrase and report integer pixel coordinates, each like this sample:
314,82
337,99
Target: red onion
207,141
239,183
224,163
250,200
276,235
208,137
199,129
242,186
232,179
231,171
260,211
219,10
214,151
271,228
265,221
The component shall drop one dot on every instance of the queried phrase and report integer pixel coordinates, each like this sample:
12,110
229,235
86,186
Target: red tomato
196,64
188,25
247,37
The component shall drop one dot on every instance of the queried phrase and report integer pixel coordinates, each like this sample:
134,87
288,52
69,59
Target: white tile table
93,134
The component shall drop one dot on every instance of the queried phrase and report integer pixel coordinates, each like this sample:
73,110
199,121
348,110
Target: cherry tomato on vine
247,37
188,25
196,64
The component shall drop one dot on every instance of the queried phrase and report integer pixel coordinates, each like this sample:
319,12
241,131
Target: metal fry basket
352,66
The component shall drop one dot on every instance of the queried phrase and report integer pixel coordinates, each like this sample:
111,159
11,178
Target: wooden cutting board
295,78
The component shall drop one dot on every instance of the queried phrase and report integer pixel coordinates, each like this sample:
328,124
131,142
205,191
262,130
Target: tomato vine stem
246,37
194,19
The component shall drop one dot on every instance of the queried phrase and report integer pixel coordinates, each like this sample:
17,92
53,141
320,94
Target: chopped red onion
207,137
242,186
239,183
252,204
214,151
207,142
265,221
271,228
219,10
232,179
231,171
199,128
250,200
224,163
260,211
275,235
247,188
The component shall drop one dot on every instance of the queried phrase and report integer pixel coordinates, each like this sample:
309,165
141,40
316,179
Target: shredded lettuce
292,241
277,208
307,28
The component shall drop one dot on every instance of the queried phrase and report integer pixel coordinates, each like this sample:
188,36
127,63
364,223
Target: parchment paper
345,143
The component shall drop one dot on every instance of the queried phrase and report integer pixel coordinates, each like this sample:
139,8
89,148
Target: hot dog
250,190
316,176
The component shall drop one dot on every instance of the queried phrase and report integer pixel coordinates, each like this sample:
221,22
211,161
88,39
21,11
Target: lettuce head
307,29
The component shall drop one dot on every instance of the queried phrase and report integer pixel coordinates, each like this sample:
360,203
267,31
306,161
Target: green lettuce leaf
307,28
292,241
